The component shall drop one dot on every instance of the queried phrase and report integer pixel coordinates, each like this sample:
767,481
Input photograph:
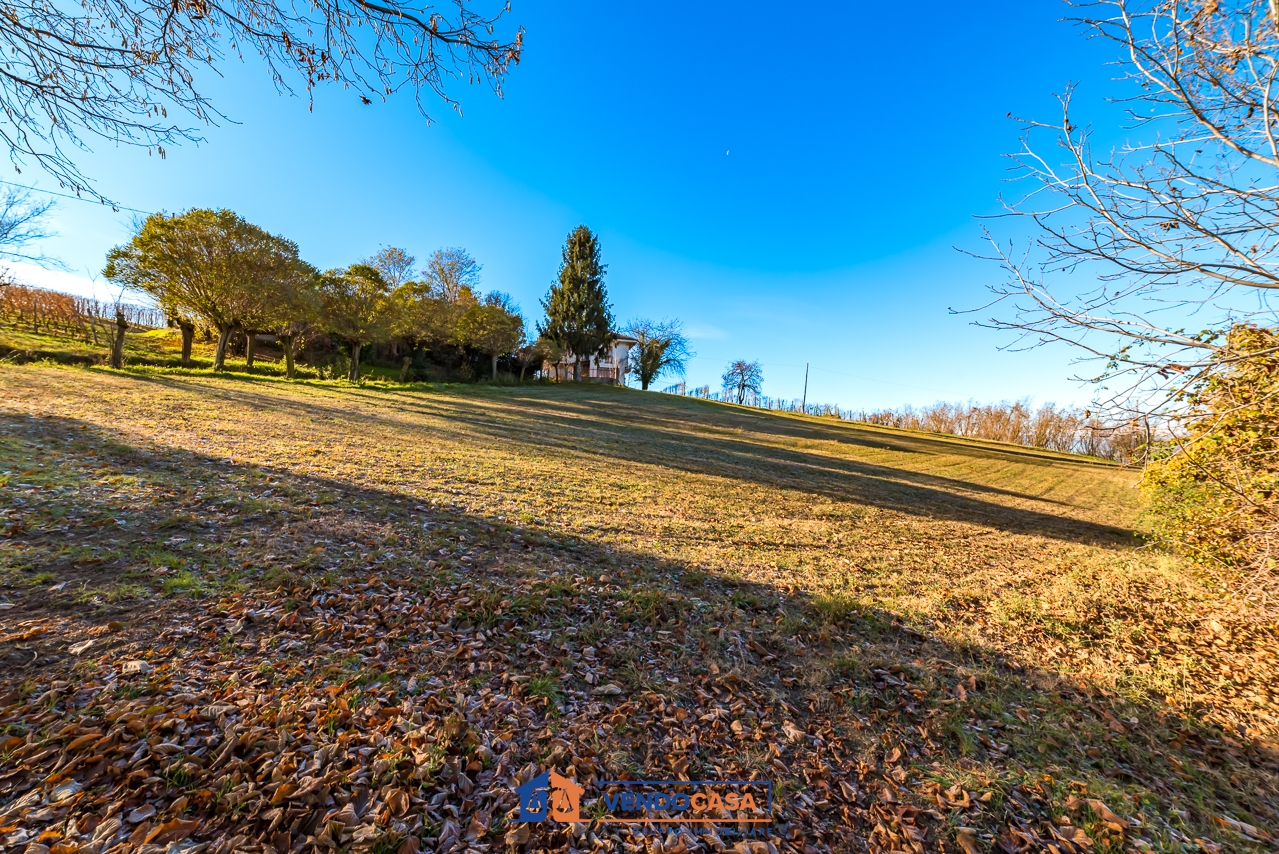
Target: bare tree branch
114,69
1173,235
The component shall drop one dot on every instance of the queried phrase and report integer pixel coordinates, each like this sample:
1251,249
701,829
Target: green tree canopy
578,316
296,318
491,329
211,264
356,306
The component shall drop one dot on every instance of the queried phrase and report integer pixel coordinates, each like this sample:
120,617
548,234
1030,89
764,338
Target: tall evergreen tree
578,316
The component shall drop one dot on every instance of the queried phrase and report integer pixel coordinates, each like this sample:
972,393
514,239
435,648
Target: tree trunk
494,358
188,335
523,368
354,376
219,355
287,341
117,346
250,338
404,368
577,370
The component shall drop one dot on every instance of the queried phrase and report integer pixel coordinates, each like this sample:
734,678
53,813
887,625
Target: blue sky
789,181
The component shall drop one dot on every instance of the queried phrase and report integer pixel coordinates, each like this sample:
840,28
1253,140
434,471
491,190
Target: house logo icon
550,796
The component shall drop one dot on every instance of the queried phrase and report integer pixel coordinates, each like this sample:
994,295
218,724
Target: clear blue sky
789,181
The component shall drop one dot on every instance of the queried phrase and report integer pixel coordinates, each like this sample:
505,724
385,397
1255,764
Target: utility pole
803,406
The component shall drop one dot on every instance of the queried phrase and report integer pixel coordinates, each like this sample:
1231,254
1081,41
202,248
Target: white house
609,368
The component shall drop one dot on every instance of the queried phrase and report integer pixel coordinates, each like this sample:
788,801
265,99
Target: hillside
354,618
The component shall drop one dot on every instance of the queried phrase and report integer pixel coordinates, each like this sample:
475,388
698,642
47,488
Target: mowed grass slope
970,629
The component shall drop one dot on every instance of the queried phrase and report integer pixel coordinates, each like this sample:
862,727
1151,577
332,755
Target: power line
73,198
837,373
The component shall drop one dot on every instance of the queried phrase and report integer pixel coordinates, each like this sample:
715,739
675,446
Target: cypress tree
578,316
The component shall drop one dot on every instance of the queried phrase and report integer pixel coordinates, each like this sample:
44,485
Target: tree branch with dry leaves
114,70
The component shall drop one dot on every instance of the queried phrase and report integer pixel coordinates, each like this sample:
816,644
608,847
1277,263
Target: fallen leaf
967,839
1254,833
478,828
1112,821
397,800
171,831
65,790
142,813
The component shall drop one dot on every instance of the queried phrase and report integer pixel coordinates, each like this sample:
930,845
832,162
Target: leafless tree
22,223
124,70
452,275
661,349
1144,256
395,264
743,377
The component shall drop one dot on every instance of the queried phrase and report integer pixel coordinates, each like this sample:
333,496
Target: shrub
1213,487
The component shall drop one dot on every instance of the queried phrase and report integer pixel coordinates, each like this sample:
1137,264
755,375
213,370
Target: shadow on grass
845,667
654,430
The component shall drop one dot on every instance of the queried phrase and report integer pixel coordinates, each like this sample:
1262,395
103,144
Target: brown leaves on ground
371,714
360,650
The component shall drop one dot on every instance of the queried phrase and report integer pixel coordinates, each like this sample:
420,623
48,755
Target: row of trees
63,314
213,269
1052,427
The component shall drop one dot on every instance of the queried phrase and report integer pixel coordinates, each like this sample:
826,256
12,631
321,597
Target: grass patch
984,608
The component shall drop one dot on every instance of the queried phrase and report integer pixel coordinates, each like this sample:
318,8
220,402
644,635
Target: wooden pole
803,406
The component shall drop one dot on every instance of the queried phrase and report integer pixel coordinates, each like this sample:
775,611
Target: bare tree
396,265
743,377
22,222
116,69
661,349
1145,256
452,274
503,301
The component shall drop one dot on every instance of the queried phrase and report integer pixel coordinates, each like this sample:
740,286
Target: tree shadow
619,424
889,710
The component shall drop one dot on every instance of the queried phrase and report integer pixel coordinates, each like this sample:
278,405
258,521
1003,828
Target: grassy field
420,596
156,348
159,347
